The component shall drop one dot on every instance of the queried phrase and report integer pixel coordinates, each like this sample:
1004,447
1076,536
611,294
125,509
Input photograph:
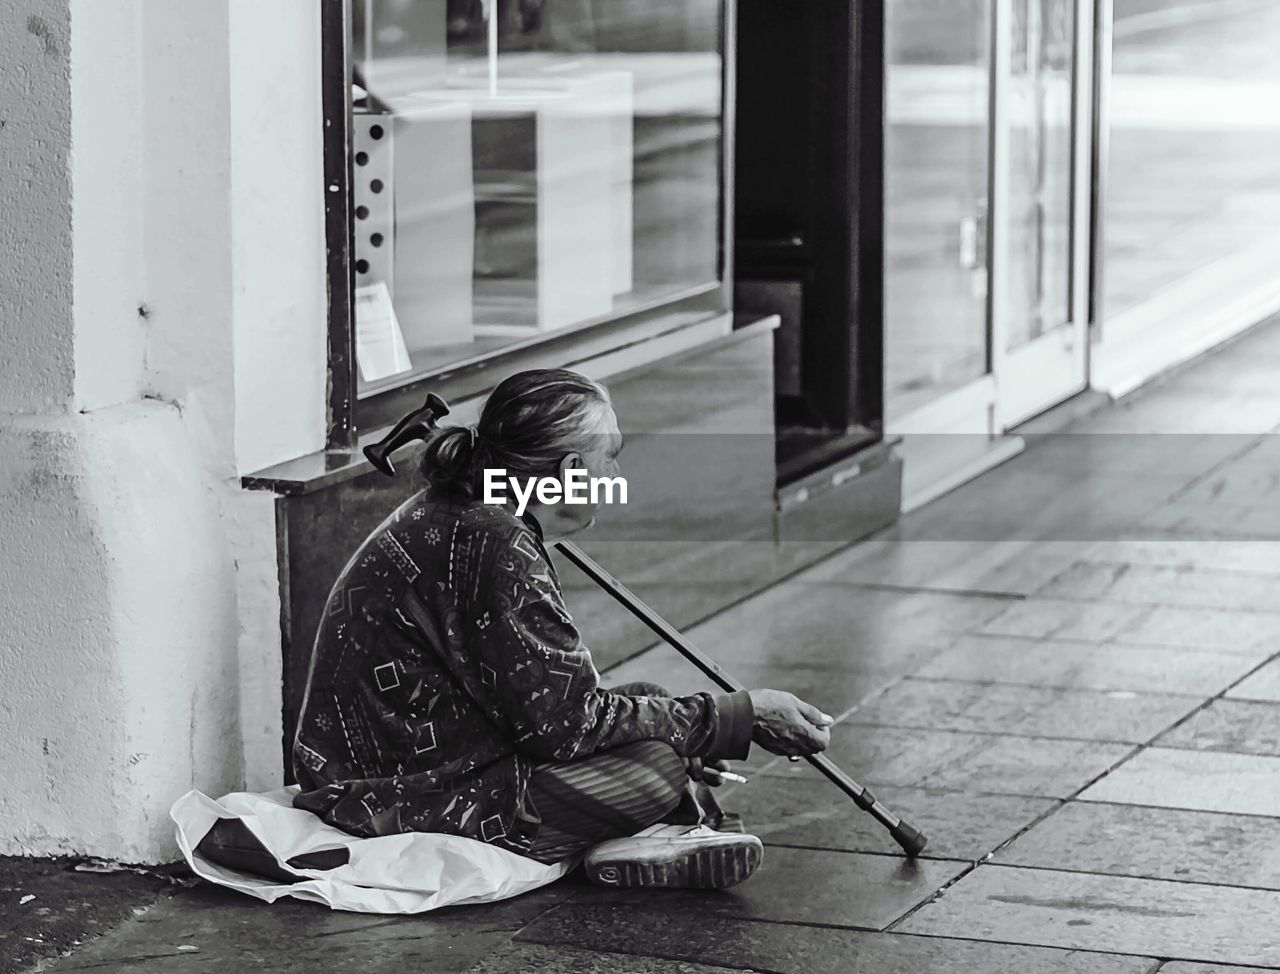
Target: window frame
348,413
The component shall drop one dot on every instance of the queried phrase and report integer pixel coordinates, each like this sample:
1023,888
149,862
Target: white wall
139,639
35,207
278,258
107,154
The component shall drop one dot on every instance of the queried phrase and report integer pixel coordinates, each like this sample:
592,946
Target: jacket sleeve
533,661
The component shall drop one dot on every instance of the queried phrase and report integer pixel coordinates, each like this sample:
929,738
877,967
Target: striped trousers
609,795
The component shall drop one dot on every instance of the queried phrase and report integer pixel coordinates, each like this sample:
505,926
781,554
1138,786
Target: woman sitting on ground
450,691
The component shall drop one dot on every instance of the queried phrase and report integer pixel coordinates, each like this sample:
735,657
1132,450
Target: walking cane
910,838
419,423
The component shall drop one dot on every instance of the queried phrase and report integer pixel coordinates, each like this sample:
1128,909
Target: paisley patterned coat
446,667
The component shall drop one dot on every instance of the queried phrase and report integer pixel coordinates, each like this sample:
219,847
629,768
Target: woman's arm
533,662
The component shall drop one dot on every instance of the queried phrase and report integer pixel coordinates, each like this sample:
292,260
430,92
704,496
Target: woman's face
599,457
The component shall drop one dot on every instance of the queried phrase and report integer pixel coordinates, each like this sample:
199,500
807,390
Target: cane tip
912,840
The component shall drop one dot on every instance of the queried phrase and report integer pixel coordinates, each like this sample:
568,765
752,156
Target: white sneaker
675,857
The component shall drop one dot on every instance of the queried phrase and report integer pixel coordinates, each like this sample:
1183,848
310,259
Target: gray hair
528,424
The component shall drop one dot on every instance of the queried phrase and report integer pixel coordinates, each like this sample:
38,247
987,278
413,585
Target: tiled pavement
1067,673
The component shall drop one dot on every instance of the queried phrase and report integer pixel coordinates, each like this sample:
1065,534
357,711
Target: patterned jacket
446,668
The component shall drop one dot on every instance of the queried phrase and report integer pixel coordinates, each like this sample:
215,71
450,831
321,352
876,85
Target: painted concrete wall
35,207
143,316
278,253
107,157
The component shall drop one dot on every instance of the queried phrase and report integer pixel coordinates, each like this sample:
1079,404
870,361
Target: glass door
1040,195
986,226
937,179
940,390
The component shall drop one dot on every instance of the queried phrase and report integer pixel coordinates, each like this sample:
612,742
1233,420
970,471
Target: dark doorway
809,212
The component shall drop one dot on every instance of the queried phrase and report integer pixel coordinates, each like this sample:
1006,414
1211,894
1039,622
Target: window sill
317,471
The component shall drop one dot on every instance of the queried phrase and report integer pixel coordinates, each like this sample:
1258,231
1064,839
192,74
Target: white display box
543,165
607,94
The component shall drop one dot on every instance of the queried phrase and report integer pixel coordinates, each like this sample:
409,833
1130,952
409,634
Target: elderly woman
450,690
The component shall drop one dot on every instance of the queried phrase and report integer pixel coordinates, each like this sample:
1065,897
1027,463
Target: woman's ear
570,461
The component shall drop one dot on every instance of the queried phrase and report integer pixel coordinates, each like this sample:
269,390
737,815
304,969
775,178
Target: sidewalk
1067,673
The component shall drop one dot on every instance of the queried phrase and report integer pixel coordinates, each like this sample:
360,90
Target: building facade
828,257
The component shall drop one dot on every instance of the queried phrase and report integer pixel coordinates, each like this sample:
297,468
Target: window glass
938,76
552,166
1191,190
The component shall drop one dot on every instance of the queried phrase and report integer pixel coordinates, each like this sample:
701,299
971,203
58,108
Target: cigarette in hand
724,775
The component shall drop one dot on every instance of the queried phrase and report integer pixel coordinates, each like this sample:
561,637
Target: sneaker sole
715,867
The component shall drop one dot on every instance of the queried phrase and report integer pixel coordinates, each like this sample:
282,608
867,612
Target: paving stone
1250,556
1154,843
835,689
1241,414
974,763
537,957
1165,585
1240,726
1026,501
1263,685
1241,633
1042,618
1013,567
1084,666
1240,498
232,933
1117,715
1240,784
1185,921
841,889
1251,480
808,810
69,907
665,561
1182,457
613,634
1138,625
677,926
833,625
1190,516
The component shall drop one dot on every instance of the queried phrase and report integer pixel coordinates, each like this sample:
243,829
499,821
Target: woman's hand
785,724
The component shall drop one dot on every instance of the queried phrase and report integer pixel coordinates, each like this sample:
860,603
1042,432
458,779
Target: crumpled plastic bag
409,873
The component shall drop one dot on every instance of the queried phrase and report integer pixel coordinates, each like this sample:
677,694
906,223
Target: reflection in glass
1193,178
555,166
936,185
1040,105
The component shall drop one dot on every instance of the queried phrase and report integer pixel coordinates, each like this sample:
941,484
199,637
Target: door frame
1054,366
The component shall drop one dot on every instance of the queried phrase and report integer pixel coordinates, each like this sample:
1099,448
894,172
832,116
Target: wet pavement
1067,673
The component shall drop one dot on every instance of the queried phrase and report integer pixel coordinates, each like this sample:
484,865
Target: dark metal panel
867,153
729,121
810,190
335,79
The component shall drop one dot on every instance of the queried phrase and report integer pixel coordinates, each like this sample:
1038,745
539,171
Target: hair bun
448,459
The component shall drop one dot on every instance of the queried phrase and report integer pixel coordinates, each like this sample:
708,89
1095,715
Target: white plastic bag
409,873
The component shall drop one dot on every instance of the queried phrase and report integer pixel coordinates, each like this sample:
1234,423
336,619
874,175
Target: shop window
521,171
